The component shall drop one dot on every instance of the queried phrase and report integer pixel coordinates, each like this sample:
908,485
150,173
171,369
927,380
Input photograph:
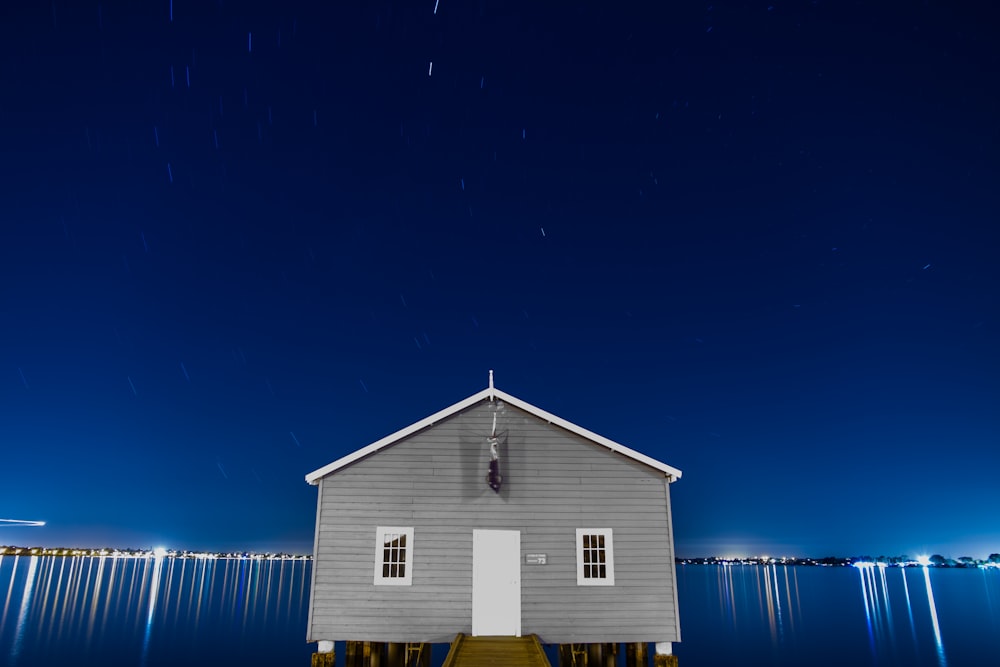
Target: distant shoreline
993,561
829,561
70,552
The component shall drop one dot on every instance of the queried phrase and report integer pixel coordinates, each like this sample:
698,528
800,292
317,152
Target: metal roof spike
491,384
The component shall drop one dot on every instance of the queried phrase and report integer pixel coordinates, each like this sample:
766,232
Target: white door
496,583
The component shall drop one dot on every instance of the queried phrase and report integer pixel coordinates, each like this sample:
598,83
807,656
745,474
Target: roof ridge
491,393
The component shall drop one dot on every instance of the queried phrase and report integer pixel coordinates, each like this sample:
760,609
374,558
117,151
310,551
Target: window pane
391,557
594,557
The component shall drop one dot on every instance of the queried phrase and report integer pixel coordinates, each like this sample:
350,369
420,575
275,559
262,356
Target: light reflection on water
153,596
774,587
878,609
878,616
90,611
23,613
934,617
151,611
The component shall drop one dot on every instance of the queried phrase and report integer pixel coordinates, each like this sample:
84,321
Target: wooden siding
554,482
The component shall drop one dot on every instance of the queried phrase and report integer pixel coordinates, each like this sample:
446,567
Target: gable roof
491,393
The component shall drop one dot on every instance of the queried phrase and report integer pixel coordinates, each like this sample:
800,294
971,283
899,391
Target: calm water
819,616
152,611
135,612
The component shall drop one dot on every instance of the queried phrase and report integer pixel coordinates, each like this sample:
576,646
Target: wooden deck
496,652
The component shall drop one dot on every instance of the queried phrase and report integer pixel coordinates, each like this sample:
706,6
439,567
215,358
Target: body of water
141,612
164,611
831,616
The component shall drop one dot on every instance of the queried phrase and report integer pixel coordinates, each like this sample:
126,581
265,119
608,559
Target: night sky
758,242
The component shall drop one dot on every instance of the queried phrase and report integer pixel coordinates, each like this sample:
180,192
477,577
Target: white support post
664,648
324,646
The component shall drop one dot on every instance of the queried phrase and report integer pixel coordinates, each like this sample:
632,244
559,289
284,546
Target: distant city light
159,553
924,560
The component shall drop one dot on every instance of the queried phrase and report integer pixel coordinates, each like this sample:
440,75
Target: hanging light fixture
493,477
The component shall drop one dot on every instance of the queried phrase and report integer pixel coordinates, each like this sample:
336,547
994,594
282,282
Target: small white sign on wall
535,559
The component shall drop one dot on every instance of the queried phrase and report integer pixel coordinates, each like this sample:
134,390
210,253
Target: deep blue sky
757,241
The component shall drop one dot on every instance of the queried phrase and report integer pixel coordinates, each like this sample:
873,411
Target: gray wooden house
494,517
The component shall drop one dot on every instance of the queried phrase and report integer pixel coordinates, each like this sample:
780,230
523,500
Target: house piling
603,655
401,654
379,654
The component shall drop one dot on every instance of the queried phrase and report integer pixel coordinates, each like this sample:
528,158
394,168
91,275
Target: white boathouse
493,517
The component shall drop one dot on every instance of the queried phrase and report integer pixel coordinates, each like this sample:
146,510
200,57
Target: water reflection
154,590
773,597
772,589
878,609
727,596
137,610
871,616
934,617
22,615
909,608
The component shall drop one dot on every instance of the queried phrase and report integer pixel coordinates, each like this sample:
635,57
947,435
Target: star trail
757,242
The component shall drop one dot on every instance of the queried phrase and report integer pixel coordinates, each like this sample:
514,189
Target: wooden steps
496,652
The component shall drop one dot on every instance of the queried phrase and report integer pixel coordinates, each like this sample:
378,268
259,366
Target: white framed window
595,557
393,556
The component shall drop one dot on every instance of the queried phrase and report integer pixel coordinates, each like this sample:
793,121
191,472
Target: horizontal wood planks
496,651
554,482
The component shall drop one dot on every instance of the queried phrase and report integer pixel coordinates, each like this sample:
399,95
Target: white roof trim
315,475
590,435
491,393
